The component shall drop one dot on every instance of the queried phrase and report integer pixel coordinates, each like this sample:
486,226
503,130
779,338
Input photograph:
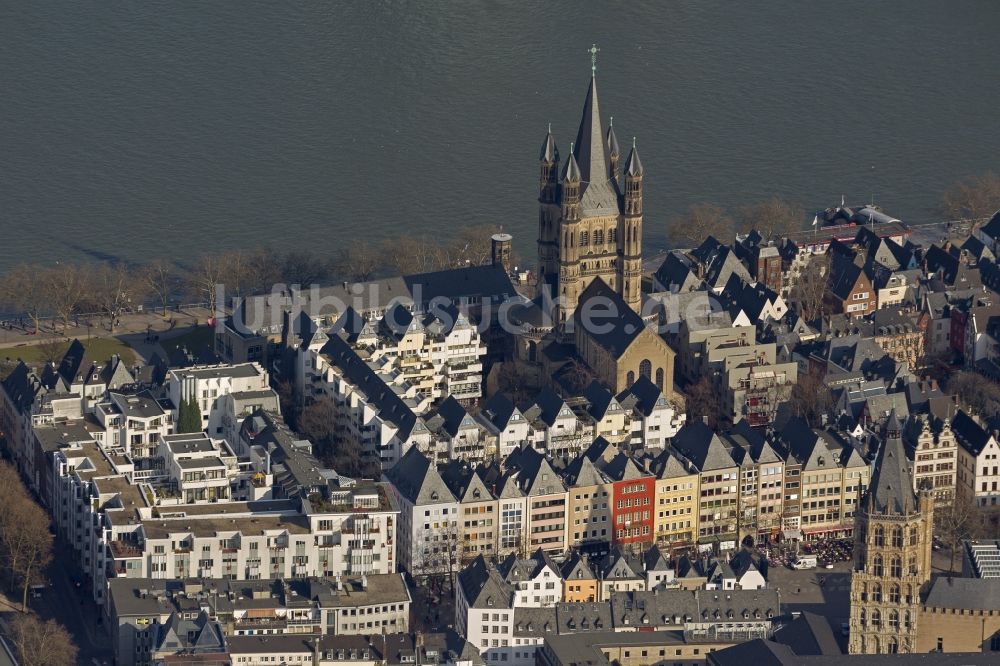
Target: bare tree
576,376
699,222
27,293
160,279
52,350
208,271
409,255
114,289
304,268
41,643
811,398
36,548
974,198
703,403
65,287
809,291
514,382
955,522
980,394
773,218
358,261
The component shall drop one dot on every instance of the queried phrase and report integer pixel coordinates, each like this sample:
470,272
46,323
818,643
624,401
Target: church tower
893,528
590,215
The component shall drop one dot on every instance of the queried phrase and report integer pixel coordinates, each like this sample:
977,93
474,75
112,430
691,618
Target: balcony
121,549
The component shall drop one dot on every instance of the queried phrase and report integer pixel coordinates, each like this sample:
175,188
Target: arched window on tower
877,566
876,593
892,647
879,536
894,594
630,378
913,536
612,235
896,567
893,620
863,617
912,565
598,236
906,619
876,618
659,379
584,239
646,369
897,537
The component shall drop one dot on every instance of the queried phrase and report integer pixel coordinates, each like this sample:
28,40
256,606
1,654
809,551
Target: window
659,378
894,593
584,239
876,619
646,369
897,537
630,378
913,536
896,567
876,592
879,536
877,567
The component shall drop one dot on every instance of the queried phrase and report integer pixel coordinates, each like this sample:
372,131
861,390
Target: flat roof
211,526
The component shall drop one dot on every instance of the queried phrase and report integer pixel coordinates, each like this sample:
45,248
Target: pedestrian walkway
133,330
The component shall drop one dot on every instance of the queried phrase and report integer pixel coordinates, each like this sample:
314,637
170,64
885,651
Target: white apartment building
208,384
428,516
978,460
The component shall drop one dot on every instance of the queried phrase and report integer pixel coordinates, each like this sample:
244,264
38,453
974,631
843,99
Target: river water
168,128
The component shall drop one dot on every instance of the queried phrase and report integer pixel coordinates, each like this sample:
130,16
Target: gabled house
849,288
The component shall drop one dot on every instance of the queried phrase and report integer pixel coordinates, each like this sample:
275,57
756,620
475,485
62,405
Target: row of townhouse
384,414
350,606
508,609
706,488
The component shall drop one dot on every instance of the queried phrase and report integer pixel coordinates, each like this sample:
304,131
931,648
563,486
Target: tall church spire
589,144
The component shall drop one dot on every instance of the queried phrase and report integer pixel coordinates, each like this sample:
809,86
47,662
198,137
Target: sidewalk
132,330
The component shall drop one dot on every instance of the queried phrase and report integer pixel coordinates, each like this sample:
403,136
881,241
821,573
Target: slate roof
498,411
483,587
390,406
992,228
418,480
463,482
598,192
808,634
724,265
646,394
699,444
581,472
622,468
598,399
970,434
891,488
612,323
534,473
677,270
844,274
966,593
576,568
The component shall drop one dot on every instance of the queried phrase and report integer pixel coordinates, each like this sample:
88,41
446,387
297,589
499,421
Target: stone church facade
892,554
590,215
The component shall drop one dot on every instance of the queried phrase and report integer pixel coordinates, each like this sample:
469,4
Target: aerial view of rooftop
360,334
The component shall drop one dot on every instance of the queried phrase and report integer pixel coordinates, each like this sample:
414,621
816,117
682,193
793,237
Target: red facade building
633,506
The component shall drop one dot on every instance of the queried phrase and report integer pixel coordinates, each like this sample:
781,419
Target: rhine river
165,128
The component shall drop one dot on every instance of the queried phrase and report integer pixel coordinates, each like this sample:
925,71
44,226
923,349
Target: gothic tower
893,528
590,216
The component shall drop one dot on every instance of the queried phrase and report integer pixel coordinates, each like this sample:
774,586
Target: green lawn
98,349
195,340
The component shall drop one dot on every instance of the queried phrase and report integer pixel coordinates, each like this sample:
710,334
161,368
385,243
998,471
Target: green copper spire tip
593,51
